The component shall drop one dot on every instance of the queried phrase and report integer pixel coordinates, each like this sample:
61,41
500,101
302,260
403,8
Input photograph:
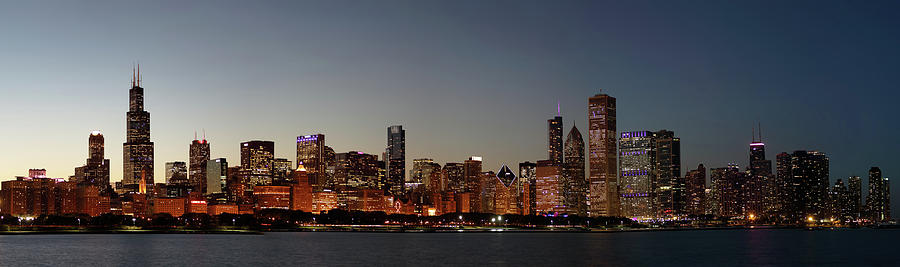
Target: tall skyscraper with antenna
137,149
199,155
762,198
555,144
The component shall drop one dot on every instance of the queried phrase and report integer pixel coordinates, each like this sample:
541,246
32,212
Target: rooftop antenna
139,74
760,131
753,134
557,109
195,135
204,134
133,75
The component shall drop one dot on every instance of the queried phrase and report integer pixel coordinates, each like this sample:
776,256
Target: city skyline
103,99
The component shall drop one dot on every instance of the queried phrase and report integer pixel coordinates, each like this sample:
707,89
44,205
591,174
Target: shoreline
399,230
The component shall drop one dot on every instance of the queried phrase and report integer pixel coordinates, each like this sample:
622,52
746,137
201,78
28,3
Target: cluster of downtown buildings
633,174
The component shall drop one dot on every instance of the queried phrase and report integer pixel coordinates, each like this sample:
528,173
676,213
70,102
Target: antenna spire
195,135
752,134
204,134
139,74
133,75
557,108
760,131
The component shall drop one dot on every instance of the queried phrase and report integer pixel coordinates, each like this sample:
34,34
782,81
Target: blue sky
464,78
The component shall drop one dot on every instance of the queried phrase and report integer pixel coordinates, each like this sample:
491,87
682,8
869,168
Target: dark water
683,248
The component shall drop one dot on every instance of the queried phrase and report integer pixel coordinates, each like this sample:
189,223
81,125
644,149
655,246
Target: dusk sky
463,78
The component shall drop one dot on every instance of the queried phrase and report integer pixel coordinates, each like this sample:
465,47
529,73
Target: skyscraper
216,176
555,144
525,187
669,183
96,169
454,175
257,162
729,185
695,187
427,173
762,182
786,195
803,181
549,200
311,154
282,170
199,155
854,197
176,173
396,158
878,202
636,166
356,170
138,149
604,200
472,174
574,184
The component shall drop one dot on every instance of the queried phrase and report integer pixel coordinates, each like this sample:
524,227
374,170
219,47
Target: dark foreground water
683,248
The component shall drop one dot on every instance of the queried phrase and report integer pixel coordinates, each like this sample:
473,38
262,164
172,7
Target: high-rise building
282,170
761,198
356,170
854,197
137,149
216,176
604,200
548,200
502,186
426,172
786,194
695,187
669,183
574,184
837,202
526,187
636,166
257,162
396,158
803,184
454,174
729,187
311,154
878,202
472,174
176,172
96,169
555,145
199,155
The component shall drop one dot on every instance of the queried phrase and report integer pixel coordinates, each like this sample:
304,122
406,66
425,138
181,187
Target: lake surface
686,248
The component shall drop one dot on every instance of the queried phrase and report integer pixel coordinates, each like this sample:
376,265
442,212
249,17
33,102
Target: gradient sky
464,78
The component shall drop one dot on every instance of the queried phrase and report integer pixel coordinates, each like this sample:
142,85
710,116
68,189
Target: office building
137,149
603,199
396,158
257,162
878,202
311,152
574,184
96,169
199,155
555,144
695,188
216,176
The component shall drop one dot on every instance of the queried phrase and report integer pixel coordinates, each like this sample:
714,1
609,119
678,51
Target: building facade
396,158
604,200
137,149
199,155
